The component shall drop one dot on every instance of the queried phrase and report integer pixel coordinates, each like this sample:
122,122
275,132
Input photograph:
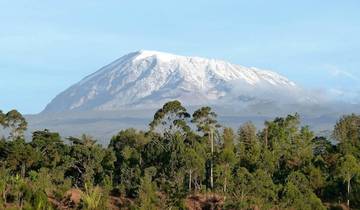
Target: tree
16,122
174,170
301,150
86,162
128,146
281,167
205,120
247,134
347,133
195,165
348,168
322,146
50,146
317,178
147,199
243,187
226,157
289,146
18,189
41,186
4,185
171,118
264,189
297,194
281,131
248,148
21,157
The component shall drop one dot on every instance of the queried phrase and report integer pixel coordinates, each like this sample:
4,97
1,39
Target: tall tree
226,157
171,118
205,120
248,148
284,136
347,133
348,168
195,165
17,124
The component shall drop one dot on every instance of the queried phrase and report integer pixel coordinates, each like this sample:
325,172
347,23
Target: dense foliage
183,161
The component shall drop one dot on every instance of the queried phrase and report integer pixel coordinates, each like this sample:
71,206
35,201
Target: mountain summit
146,79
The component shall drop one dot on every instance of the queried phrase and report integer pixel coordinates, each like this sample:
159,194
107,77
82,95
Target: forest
183,161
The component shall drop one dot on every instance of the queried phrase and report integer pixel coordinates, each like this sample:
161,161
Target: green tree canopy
347,133
170,118
15,122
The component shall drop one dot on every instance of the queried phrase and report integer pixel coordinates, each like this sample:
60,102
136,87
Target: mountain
127,92
147,79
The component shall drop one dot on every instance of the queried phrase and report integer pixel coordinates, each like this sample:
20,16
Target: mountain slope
149,78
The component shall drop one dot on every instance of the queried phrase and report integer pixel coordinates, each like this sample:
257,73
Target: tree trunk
348,193
23,170
212,141
190,172
20,200
211,161
266,137
4,195
242,196
211,176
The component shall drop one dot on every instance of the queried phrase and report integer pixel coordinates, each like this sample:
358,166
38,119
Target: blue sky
45,46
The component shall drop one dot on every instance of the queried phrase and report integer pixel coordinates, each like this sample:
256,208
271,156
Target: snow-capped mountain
146,79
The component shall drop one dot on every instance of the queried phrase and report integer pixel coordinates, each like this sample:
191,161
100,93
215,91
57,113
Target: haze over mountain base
102,125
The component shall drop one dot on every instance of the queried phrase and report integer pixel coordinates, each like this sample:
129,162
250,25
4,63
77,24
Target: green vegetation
183,161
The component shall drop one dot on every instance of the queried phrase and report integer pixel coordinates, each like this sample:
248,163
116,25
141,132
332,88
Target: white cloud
336,72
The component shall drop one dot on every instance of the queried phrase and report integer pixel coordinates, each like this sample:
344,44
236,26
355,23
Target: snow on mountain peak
143,54
149,78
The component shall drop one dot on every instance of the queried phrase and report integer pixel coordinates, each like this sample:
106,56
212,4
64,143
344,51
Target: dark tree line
181,156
